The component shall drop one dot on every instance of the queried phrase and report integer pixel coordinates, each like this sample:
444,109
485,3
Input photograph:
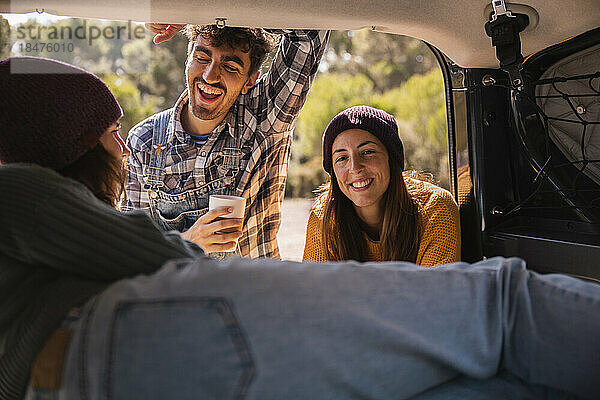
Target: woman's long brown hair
100,172
400,233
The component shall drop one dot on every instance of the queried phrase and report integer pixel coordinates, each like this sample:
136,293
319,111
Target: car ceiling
455,27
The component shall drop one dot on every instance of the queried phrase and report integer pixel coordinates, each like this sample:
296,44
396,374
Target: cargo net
560,112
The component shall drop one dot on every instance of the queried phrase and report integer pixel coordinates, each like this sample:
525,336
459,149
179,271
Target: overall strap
232,153
162,132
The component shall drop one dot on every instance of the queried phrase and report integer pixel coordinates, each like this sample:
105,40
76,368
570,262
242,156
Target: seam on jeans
241,345
82,354
231,323
109,353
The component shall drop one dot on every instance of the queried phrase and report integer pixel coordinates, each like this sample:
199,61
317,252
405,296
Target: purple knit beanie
51,113
377,122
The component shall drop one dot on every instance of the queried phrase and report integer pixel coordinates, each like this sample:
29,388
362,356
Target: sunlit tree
4,38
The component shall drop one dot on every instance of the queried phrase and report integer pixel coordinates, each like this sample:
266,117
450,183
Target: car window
396,73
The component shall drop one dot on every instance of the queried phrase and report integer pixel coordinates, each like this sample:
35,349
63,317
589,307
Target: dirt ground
292,233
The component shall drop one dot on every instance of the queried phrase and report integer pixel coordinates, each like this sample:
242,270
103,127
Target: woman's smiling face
361,168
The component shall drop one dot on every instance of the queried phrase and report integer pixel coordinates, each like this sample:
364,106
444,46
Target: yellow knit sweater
438,214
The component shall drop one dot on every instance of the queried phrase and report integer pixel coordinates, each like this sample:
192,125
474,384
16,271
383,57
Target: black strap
505,29
155,171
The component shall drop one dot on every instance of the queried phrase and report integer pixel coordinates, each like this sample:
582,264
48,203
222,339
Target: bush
135,106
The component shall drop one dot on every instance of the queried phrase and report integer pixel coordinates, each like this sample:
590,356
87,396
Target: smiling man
228,133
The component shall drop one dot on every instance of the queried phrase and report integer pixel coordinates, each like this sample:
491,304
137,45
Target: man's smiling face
215,77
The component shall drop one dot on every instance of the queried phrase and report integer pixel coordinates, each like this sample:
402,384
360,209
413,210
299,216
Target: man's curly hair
255,41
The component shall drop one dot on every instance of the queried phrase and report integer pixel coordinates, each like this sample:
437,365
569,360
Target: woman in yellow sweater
371,210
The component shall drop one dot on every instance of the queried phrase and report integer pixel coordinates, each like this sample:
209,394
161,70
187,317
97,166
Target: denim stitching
85,327
194,200
109,354
231,323
205,189
241,345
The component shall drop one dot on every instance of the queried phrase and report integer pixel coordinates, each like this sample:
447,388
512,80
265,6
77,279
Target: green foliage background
4,38
395,73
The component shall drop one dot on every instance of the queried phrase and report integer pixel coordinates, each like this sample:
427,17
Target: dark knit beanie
377,122
51,113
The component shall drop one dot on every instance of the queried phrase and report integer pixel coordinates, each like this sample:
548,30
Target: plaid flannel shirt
268,113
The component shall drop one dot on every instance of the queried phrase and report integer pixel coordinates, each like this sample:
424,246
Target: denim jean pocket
186,348
181,222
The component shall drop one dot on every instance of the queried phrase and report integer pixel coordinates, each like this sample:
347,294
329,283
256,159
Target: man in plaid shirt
228,133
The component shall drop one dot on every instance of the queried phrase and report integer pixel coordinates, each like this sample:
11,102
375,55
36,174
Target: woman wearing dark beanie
372,211
61,238
61,117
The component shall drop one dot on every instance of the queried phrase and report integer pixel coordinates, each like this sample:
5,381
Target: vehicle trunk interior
533,157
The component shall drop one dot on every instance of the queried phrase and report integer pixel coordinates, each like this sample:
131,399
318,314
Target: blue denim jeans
266,329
